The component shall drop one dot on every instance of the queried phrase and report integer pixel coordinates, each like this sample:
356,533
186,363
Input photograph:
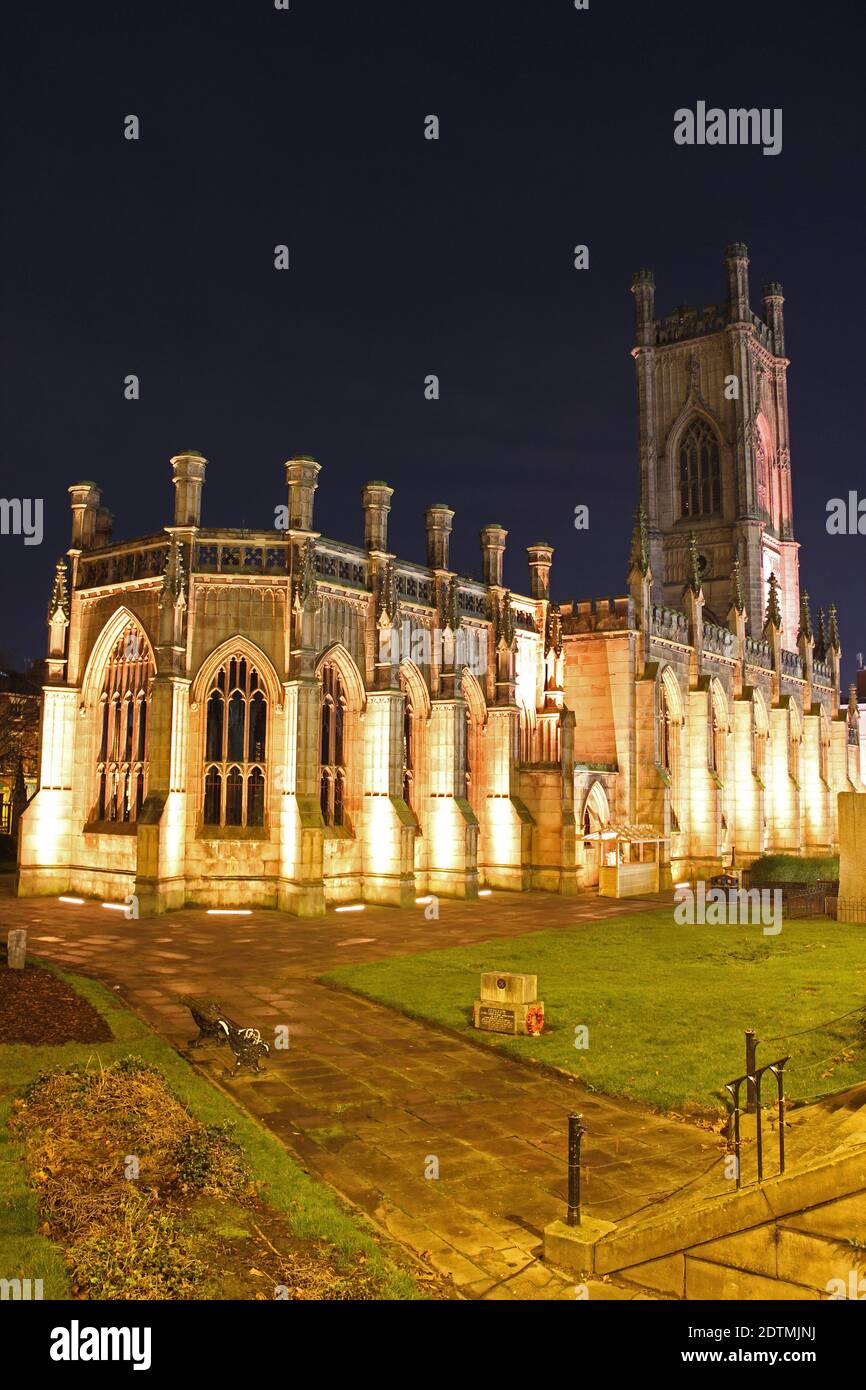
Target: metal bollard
576,1132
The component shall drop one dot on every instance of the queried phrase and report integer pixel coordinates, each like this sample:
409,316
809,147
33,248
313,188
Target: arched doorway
595,817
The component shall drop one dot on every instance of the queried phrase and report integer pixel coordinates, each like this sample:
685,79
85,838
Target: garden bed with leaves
126,1174
148,1203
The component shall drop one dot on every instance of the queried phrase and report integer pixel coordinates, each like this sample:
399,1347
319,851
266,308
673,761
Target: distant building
239,717
20,700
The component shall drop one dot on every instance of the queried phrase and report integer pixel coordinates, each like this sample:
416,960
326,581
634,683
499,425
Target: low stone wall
793,1238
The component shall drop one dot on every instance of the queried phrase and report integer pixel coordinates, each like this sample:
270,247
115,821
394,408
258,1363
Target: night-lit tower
714,446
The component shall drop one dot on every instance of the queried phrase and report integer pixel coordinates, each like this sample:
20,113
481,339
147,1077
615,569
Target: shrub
792,868
211,1160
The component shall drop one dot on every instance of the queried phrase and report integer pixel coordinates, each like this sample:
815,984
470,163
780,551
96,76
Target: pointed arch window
121,760
700,472
332,784
236,730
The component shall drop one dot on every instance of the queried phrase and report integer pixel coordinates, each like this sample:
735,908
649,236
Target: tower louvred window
236,727
122,766
700,472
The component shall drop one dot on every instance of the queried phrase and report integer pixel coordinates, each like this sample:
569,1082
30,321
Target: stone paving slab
364,1096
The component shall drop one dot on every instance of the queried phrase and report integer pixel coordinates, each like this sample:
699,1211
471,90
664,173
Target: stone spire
386,594
58,623
58,606
173,582
694,579
304,583
738,600
640,542
833,631
774,612
805,630
821,639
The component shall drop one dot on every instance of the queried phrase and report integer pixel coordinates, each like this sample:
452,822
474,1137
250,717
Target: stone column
301,475
540,560
300,886
773,300
737,268
189,471
376,497
493,539
84,500
104,527
439,519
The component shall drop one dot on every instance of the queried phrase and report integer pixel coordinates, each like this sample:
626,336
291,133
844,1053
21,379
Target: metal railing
753,1077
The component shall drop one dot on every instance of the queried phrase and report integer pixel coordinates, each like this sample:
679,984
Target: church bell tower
714,447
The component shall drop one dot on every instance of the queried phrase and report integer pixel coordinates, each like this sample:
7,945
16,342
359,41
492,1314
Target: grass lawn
666,1006
312,1211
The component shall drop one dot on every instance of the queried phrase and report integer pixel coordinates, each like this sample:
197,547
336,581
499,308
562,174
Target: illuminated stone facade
239,718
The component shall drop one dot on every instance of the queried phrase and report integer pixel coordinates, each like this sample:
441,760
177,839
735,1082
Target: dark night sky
410,257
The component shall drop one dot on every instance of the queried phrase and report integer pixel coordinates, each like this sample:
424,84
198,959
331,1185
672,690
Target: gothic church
237,718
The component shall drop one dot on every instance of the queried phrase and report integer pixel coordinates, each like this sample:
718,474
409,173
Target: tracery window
235,746
332,787
700,475
122,766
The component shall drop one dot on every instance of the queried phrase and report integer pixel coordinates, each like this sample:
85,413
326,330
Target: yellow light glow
65,899
352,907
229,912
116,907
427,899
484,892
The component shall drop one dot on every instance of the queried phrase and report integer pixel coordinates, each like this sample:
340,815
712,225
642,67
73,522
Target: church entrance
596,817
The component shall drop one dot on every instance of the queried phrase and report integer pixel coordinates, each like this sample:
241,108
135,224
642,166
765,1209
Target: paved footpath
364,1095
